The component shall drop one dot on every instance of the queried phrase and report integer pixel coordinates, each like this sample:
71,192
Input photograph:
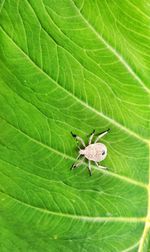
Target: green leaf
74,66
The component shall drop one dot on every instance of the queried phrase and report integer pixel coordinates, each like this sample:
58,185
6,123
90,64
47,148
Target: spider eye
103,152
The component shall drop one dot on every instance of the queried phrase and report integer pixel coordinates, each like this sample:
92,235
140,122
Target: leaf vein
89,107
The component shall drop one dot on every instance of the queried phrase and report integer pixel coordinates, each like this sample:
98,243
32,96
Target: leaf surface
74,66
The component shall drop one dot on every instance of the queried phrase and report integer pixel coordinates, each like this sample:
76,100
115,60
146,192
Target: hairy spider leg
89,167
75,161
78,139
75,165
91,136
100,135
101,167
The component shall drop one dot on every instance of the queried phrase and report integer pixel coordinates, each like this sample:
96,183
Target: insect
92,152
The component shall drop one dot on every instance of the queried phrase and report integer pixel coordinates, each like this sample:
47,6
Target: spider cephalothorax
93,151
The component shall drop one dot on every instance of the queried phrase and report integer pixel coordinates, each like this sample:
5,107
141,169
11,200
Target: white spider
93,152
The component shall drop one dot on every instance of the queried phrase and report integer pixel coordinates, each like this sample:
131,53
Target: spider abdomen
95,152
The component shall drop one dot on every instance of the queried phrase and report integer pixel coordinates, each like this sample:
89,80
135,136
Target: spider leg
77,164
101,167
78,139
100,135
89,167
91,136
75,161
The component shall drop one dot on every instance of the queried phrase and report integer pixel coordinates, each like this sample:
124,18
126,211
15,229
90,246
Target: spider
92,152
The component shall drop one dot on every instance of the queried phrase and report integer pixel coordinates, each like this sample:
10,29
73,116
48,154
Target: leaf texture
74,66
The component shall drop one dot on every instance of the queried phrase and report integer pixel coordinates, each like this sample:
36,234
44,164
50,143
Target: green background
74,66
